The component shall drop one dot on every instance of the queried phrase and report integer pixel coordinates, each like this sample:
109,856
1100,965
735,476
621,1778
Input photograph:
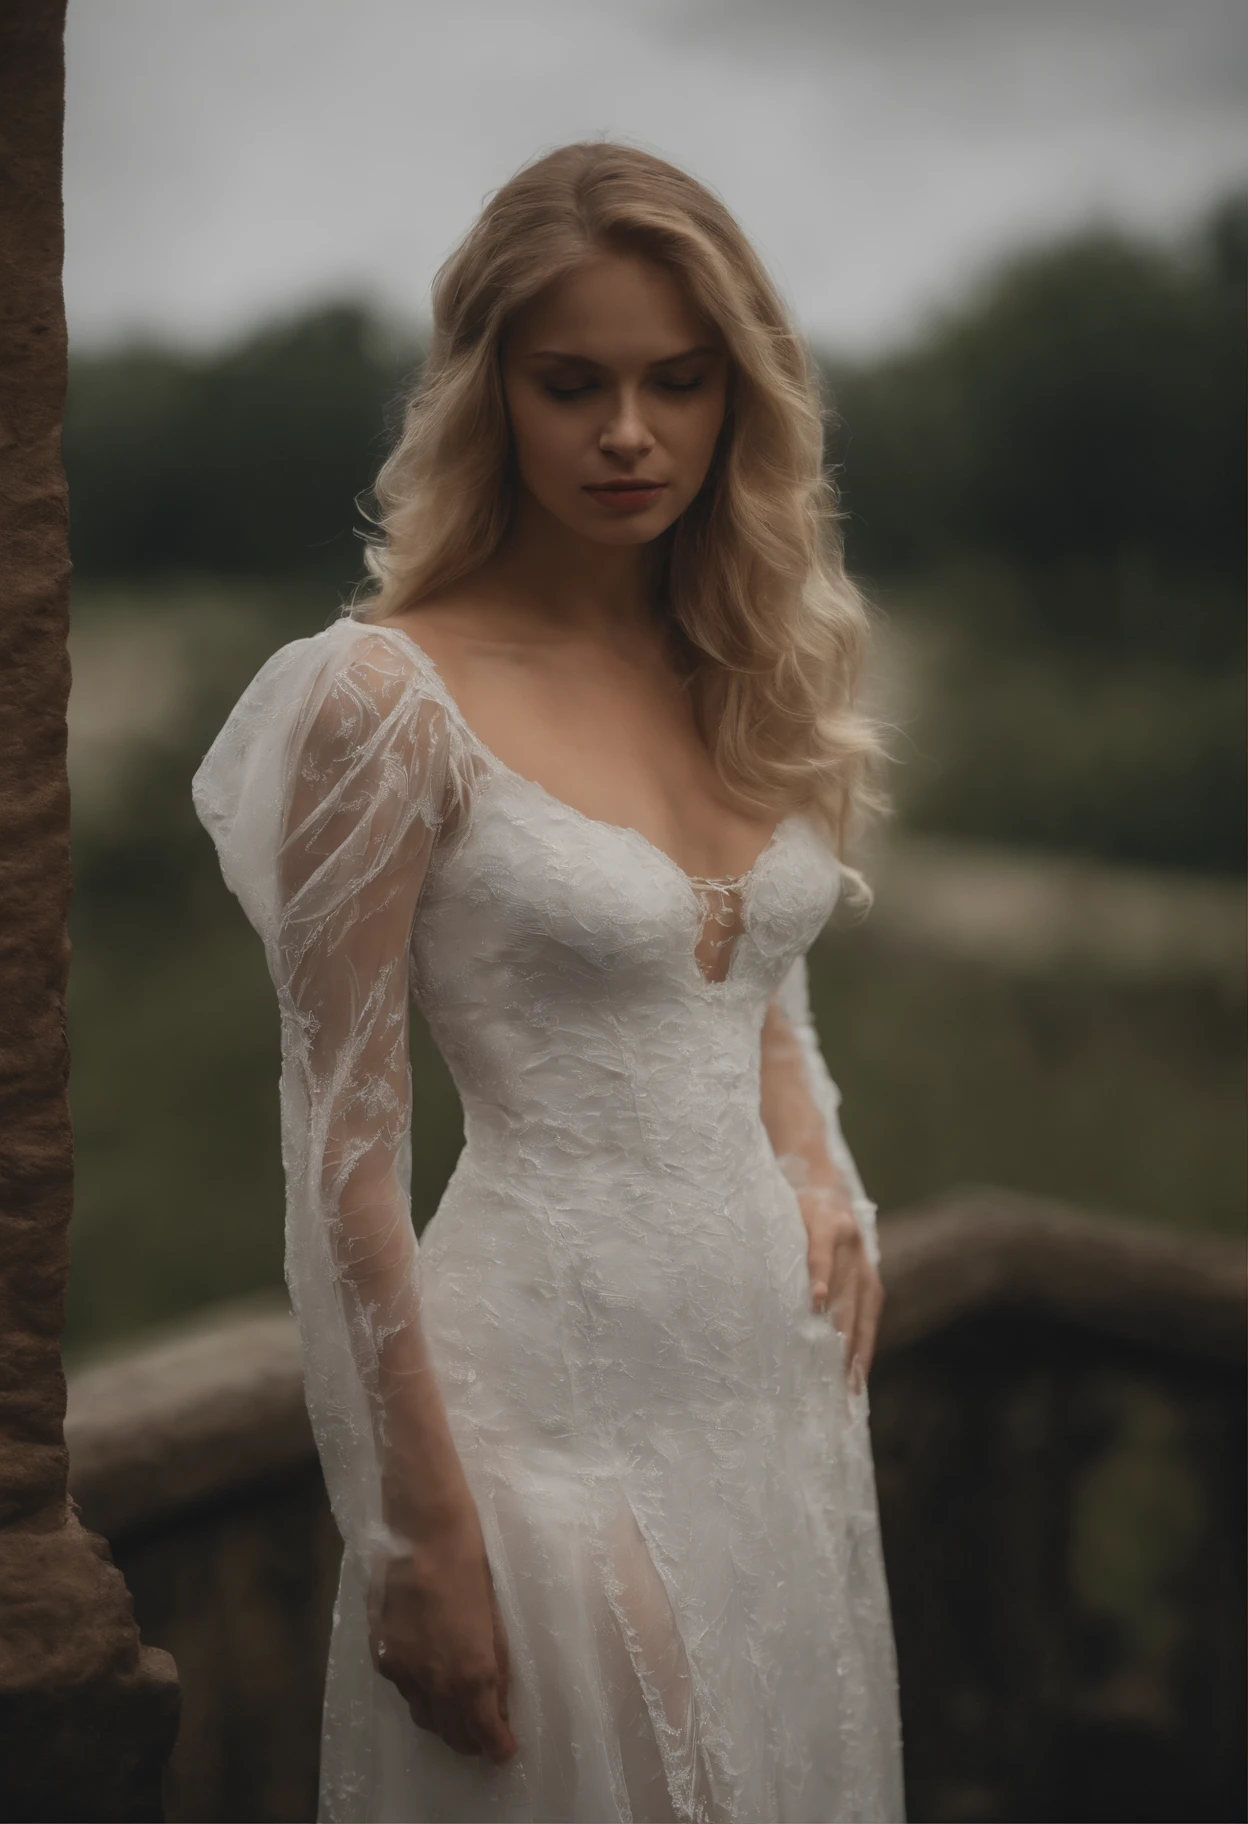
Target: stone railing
1058,1416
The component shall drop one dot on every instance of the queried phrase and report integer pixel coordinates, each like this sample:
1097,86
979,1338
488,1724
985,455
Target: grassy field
1114,1089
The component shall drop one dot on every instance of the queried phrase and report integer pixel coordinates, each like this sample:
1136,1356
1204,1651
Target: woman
575,774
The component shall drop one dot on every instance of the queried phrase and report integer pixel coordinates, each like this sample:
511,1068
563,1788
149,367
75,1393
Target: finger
502,1653
853,1353
488,1726
451,1722
414,1695
868,1324
819,1260
504,1745
419,1707
850,1259
419,1710
457,1737
844,1297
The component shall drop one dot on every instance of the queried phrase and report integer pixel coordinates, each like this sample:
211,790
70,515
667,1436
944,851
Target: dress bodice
555,958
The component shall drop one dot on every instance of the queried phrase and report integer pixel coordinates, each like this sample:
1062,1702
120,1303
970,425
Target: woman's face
616,392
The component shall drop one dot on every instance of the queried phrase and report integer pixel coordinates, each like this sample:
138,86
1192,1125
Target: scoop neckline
739,883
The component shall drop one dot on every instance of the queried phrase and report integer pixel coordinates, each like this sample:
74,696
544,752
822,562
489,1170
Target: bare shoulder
464,630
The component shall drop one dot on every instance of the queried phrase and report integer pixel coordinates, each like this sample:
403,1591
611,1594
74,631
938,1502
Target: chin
641,529
635,534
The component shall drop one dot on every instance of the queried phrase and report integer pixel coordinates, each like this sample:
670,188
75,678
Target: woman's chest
531,891
614,739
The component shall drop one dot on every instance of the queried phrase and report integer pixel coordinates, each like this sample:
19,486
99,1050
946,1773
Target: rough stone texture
87,1715
194,1455
1046,1380
242,1592
35,1151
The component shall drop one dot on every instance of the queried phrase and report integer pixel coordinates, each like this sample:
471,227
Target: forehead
616,307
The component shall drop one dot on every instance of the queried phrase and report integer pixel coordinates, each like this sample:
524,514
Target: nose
627,434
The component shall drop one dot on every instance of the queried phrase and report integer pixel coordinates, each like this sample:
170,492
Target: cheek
548,444
695,434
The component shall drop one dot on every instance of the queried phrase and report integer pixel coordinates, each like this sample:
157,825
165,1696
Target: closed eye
588,386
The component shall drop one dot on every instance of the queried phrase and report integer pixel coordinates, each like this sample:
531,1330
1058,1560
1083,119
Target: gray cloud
230,157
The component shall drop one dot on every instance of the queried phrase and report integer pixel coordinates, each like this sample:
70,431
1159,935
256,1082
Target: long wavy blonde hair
751,575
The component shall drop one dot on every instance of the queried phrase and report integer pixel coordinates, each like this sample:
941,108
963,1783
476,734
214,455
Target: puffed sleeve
324,794
804,1078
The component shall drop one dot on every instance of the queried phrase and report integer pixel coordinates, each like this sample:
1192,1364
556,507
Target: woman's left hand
843,1279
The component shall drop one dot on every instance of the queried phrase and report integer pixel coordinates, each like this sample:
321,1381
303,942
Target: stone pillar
87,1714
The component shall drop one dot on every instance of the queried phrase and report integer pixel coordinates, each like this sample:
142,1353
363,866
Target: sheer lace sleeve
810,1101
325,792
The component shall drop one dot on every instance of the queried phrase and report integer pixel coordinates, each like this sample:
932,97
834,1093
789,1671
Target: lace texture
673,1476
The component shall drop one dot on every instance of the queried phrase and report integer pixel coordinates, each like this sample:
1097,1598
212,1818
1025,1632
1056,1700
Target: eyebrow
559,354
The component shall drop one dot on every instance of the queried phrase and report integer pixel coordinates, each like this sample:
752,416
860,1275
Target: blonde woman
575,773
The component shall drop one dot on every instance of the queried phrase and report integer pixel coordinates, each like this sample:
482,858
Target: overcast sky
226,159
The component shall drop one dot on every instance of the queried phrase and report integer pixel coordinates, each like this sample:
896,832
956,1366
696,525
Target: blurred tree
1053,478
1048,491
244,463
1081,419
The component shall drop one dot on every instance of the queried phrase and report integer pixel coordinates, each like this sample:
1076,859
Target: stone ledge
186,1421
200,1416
981,1248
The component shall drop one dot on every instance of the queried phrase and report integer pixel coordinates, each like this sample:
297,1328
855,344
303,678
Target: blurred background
1016,236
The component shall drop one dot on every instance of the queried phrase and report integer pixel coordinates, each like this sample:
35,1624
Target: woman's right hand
438,1636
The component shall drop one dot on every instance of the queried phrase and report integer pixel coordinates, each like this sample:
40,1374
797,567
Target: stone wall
1058,1415
87,1713
194,1457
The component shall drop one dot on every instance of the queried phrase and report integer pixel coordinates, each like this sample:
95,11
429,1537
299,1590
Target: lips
632,486
635,493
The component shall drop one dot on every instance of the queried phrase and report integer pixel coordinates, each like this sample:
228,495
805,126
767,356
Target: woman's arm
360,824
799,1107
367,793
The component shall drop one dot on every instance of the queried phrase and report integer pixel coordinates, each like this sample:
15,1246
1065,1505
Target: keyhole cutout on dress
721,921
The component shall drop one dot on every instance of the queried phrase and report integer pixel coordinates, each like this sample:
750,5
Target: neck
574,585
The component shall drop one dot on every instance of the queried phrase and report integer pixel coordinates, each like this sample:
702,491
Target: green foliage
1087,406
244,463
1054,476
1114,1093
172,1022
1079,419
1054,479
172,1017
1048,492
1133,757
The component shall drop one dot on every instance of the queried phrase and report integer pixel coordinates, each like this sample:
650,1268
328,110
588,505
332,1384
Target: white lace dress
674,1481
